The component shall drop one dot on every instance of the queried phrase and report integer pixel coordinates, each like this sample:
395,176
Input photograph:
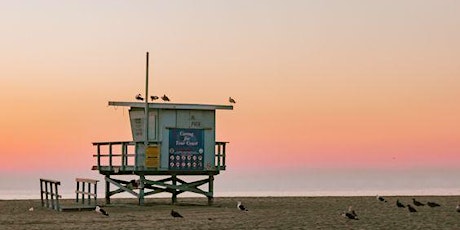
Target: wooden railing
85,190
49,194
121,155
220,155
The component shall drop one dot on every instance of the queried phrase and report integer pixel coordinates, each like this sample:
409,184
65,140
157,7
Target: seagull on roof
399,204
432,204
101,211
417,203
411,209
139,97
241,207
165,98
154,98
176,214
231,100
380,198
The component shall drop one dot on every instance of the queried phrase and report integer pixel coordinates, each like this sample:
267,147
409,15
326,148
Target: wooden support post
141,188
211,190
52,195
107,190
57,205
174,193
41,192
98,156
89,192
46,195
110,156
95,192
77,194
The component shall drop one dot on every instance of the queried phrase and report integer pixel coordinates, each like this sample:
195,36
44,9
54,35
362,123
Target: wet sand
264,213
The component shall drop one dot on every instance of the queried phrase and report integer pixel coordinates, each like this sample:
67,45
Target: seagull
241,207
231,100
411,209
349,216
433,204
176,214
154,98
399,204
351,211
380,198
417,203
139,97
31,209
458,207
165,98
101,211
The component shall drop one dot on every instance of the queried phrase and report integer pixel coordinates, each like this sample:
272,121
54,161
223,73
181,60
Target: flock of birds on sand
174,213
139,97
351,214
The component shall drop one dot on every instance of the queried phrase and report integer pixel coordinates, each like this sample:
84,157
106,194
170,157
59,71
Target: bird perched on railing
139,97
154,98
165,98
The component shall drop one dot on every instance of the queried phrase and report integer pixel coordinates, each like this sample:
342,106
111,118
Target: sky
338,90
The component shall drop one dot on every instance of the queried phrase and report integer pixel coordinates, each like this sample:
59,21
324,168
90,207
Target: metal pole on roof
147,101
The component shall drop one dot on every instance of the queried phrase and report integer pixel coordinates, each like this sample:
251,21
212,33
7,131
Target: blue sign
186,149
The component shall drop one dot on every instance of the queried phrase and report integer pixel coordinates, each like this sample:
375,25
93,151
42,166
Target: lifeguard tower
170,141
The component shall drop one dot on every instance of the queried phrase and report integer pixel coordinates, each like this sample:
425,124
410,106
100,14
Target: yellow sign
152,156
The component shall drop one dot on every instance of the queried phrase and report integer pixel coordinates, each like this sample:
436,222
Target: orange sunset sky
350,85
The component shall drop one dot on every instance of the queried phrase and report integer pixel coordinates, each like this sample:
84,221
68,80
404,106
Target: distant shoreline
102,200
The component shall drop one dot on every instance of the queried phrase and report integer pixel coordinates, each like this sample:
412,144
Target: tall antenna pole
147,101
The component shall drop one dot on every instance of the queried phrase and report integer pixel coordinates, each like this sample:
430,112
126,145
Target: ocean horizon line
70,194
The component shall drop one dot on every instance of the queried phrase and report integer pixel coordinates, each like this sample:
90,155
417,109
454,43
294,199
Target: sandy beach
264,213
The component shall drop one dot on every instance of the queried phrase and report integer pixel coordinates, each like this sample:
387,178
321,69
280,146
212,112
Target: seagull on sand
139,97
351,212
31,209
101,211
154,98
411,209
349,216
417,203
399,204
458,207
165,98
241,207
380,198
231,100
176,214
433,204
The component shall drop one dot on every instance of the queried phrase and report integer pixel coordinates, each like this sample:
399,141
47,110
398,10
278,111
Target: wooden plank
172,105
85,193
78,208
92,181
51,181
